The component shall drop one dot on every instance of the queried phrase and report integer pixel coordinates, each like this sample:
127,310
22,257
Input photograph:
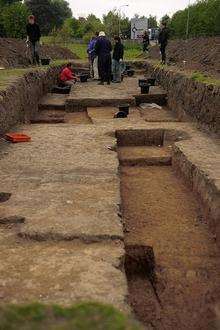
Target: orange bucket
17,137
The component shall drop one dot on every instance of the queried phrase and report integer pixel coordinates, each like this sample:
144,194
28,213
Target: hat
101,34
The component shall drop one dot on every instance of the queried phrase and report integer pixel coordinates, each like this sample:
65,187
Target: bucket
124,108
120,114
142,82
84,77
127,67
151,81
145,89
45,61
130,73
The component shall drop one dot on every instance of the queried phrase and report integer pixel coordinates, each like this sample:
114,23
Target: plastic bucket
145,89
120,114
124,108
142,82
83,78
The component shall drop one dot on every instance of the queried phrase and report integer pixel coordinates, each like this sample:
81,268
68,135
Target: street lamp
119,18
187,23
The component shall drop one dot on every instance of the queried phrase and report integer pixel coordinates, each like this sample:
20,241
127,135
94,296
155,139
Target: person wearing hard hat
103,48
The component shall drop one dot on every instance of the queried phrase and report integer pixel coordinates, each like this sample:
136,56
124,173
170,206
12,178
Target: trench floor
161,212
65,184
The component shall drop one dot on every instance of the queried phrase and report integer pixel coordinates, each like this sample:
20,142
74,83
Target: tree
111,23
14,18
152,22
204,19
49,13
61,11
165,19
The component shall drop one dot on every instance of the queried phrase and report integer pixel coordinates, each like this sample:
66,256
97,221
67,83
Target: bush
14,19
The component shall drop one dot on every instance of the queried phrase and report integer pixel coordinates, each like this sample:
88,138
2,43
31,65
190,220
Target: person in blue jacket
92,56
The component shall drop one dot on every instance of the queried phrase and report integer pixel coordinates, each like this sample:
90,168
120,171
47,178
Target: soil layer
159,211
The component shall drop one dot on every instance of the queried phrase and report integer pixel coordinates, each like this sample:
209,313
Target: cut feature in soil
61,117
144,156
181,289
4,197
139,261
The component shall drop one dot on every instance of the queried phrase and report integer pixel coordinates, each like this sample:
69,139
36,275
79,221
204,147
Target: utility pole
119,18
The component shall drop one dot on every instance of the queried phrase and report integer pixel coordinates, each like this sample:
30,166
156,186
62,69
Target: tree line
204,20
55,18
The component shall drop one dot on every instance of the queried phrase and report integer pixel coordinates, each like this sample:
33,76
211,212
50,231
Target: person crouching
67,76
117,59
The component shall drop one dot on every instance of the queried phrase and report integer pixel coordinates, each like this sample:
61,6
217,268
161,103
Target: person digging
67,76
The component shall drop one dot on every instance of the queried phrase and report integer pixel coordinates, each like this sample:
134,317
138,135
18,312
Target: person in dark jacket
103,48
117,59
163,41
146,41
33,38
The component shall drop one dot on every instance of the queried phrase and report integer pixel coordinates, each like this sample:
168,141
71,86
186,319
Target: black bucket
142,82
145,89
84,78
120,114
128,67
124,108
151,81
45,61
130,73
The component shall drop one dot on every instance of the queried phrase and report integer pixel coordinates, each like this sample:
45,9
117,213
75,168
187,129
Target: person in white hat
103,48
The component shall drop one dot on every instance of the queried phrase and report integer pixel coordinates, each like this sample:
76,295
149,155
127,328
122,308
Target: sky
141,7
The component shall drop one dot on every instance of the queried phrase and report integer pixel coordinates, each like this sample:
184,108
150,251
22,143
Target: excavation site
114,195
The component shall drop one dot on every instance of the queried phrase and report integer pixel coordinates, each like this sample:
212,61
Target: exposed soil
199,54
13,53
159,211
61,117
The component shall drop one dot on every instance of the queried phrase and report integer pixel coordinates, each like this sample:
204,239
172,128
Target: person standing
117,59
91,55
146,41
103,48
93,62
33,38
163,41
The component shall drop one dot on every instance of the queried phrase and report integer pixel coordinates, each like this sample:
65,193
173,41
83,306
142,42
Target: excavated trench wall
19,101
187,97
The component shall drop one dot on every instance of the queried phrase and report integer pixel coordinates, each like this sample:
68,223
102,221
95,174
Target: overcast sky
141,7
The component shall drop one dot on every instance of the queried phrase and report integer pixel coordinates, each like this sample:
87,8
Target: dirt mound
200,54
13,52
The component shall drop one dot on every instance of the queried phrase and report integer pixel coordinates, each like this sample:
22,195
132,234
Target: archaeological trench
120,211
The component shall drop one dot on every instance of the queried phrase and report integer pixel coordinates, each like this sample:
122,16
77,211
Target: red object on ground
17,137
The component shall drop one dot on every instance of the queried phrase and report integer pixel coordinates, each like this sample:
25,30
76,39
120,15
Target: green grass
7,76
84,316
132,51
200,77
